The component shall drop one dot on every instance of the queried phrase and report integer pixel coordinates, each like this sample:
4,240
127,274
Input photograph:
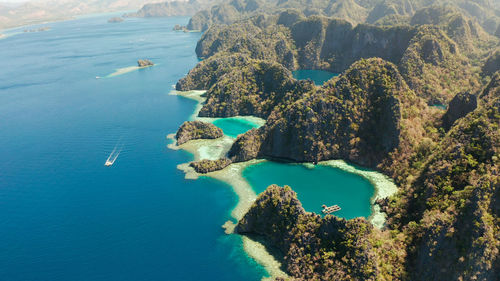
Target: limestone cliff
460,105
316,248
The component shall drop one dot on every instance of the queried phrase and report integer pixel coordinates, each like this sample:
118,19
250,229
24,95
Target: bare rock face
206,166
492,64
460,105
144,63
192,130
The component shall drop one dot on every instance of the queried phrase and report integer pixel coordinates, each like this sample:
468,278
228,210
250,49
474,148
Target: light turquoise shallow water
234,126
316,186
319,77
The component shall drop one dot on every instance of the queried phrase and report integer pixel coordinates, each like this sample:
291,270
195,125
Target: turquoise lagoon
319,77
316,185
234,126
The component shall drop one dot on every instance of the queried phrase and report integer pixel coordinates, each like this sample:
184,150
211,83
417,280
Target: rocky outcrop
252,89
206,166
460,105
432,58
316,248
145,63
209,71
357,117
192,130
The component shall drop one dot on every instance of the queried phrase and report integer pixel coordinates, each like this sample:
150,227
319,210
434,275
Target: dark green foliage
253,89
192,130
206,166
356,117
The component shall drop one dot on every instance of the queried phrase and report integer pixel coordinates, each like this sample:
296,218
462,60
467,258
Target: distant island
398,61
115,20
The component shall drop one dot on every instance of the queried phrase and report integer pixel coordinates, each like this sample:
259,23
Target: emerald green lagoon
234,126
319,77
315,186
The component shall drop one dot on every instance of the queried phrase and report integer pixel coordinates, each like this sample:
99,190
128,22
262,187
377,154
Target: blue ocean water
319,77
234,126
316,186
63,214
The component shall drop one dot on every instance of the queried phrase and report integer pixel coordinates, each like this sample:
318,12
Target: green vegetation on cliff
361,116
206,166
192,130
316,248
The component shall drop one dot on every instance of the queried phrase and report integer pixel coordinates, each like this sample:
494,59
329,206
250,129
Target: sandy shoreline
233,175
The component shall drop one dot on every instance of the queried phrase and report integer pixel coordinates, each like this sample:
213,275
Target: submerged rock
192,130
144,63
115,20
206,166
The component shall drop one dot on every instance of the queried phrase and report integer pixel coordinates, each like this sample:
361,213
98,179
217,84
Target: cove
319,77
315,186
234,126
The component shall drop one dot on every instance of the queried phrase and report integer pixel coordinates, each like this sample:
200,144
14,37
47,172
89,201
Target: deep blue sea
63,214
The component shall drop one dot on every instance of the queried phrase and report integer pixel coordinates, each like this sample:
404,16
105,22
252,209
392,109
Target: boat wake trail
114,155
